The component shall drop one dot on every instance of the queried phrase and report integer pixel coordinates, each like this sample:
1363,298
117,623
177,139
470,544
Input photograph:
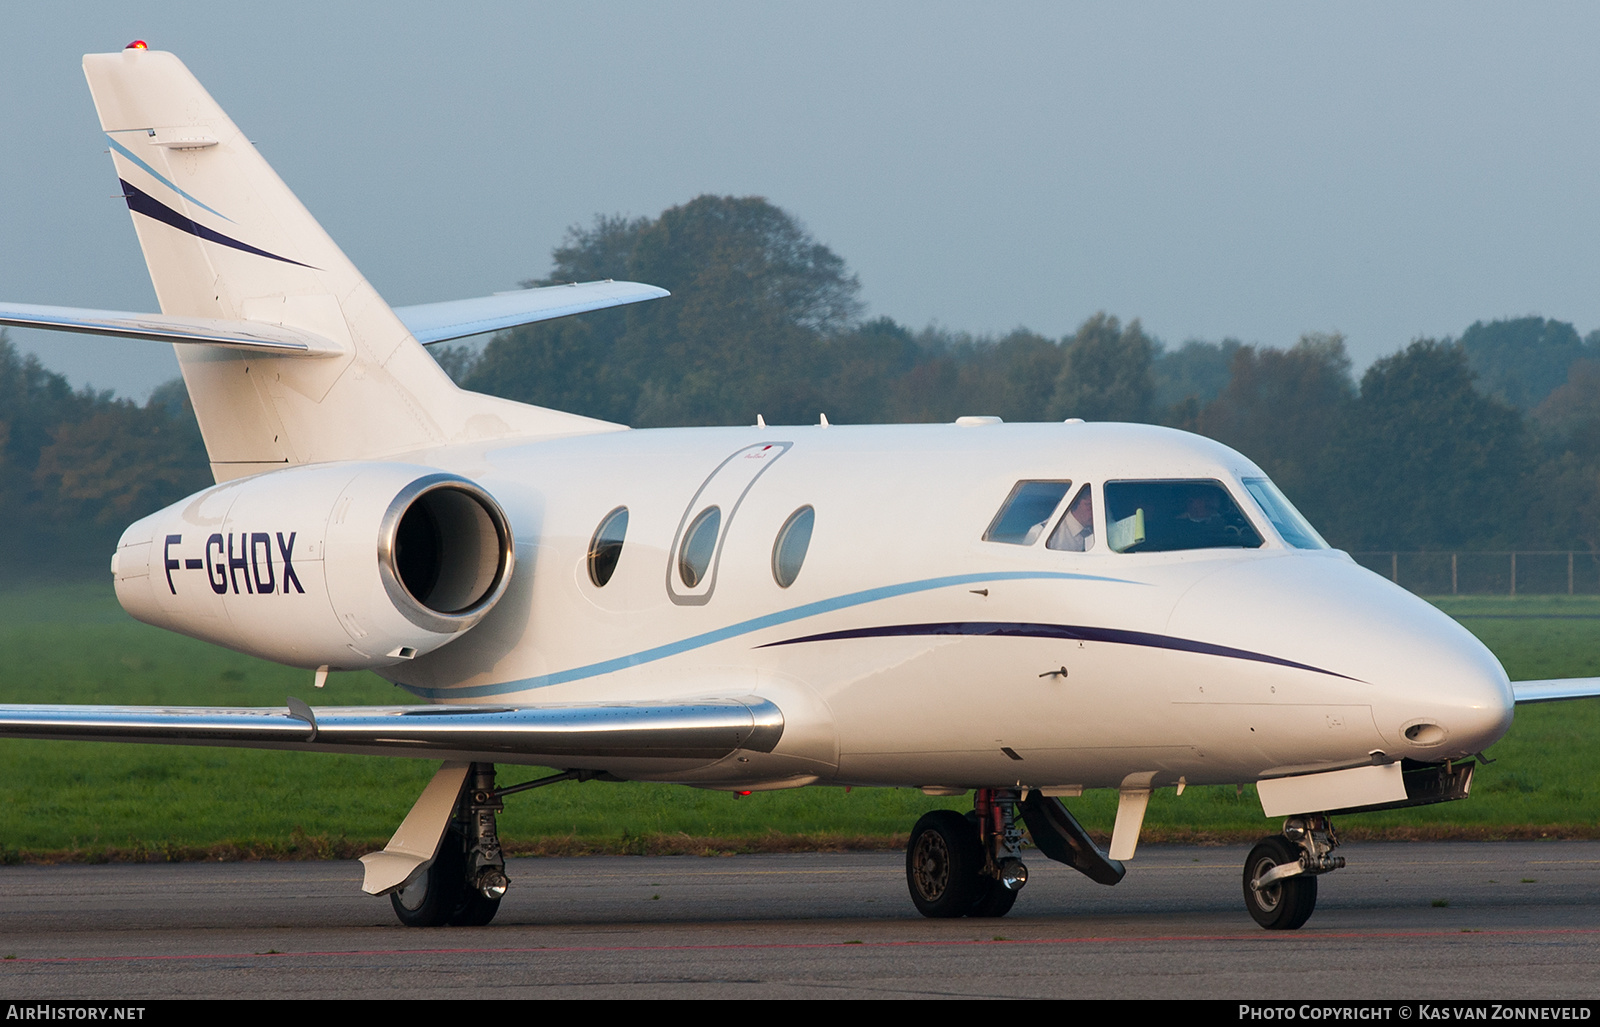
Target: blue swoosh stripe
141,202
163,179
1069,632
745,627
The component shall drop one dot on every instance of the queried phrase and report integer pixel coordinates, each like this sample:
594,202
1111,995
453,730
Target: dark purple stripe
1074,633
141,202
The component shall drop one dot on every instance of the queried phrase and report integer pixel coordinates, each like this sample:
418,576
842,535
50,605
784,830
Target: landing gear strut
968,865
464,883
1280,874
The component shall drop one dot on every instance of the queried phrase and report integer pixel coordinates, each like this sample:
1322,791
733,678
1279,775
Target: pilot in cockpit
1075,532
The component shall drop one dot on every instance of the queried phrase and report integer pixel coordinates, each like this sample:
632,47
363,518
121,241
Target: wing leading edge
1555,689
705,729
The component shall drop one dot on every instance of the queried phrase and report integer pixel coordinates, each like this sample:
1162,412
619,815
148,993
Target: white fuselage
949,660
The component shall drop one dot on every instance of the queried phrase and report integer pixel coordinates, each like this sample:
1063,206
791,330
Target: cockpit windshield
1162,516
1295,529
1026,511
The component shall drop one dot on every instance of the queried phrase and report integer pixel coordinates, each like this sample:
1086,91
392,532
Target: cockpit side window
1022,517
1075,531
1295,529
1163,516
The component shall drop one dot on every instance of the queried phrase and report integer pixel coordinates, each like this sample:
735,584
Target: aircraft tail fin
225,239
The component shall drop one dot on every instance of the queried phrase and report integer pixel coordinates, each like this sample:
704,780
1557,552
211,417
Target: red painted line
1276,939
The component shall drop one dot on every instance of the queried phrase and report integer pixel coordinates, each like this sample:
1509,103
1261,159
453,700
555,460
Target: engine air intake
445,552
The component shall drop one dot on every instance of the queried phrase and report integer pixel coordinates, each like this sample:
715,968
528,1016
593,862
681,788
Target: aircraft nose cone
1435,692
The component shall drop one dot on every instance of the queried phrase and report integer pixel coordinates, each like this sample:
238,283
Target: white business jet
1021,611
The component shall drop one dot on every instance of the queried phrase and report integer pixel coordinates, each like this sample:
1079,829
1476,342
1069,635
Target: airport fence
1479,572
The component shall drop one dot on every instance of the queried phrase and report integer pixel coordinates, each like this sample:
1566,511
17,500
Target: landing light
1013,875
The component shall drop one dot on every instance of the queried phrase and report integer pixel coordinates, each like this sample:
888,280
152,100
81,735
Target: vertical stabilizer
225,238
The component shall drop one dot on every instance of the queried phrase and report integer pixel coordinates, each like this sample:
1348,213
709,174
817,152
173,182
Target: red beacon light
137,44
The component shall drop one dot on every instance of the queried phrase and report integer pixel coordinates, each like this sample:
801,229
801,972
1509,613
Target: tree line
1489,440
76,467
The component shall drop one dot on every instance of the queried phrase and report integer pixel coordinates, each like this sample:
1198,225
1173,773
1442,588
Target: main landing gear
971,865
968,865
464,883
1280,874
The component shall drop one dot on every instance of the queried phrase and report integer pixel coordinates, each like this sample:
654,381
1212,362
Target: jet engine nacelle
349,565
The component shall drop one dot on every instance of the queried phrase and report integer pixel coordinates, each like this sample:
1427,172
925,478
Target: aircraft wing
455,319
705,729
255,336
1553,689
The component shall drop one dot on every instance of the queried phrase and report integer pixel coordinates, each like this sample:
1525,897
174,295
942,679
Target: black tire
441,894
432,897
476,911
1287,904
994,899
943,864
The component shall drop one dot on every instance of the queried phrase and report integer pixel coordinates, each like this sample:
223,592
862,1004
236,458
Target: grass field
72,643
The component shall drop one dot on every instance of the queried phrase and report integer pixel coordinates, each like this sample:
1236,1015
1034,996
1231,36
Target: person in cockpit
1075,532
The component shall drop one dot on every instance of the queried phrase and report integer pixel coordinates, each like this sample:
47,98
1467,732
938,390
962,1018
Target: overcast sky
1245,170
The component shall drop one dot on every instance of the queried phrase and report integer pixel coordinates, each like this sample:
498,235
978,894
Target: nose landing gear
968,865
1280,874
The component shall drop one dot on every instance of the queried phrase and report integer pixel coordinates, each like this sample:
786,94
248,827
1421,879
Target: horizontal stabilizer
253,336
1553,689
456,319
704,729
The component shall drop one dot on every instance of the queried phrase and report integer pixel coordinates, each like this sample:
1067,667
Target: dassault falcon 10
1020,611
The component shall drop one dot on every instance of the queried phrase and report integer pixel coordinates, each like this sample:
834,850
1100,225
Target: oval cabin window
699,546
789,551
606,546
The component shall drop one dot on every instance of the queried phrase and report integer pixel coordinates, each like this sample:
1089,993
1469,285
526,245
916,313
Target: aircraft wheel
1283,906
994,899
943,861
476,911
431,898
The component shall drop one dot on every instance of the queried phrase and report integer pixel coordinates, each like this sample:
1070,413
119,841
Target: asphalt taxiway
1424,920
